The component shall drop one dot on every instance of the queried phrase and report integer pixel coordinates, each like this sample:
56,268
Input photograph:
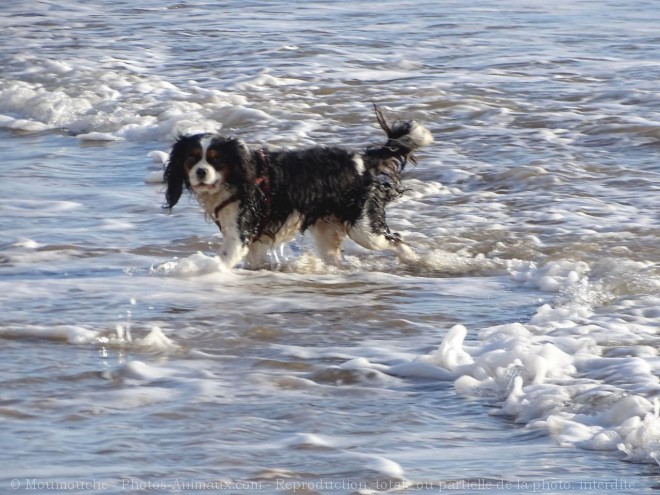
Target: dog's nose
201,173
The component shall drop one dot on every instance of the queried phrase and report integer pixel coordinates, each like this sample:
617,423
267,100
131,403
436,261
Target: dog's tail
403,139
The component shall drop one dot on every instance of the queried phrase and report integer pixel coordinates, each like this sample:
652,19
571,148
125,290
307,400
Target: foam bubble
192,266
98,136
156,340
154,177
381,465
26,244
159,156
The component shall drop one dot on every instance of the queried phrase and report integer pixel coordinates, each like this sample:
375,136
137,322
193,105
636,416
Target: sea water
519,355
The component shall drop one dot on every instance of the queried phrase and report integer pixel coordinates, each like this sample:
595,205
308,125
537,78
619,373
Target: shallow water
520,355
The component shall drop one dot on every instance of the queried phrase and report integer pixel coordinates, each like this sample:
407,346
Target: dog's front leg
233,249
235,246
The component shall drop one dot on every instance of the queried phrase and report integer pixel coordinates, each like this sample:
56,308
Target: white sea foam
154,177
153,340
94,106
160,157
194,265
554,373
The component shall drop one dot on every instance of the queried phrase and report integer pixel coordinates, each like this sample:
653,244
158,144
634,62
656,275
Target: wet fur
262,198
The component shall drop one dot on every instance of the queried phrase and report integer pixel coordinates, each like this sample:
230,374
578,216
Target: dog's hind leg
259,255
363,235
328,235
371,232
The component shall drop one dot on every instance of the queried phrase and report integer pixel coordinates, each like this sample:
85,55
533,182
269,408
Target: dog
260,198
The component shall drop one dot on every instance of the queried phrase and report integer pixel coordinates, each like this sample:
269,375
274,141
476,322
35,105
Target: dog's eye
212,156
191,160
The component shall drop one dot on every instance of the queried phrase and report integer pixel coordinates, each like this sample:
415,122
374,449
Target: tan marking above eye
212,155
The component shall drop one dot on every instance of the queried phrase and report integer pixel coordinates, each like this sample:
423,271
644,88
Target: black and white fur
261,198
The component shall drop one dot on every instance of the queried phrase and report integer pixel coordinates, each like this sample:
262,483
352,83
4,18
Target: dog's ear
382,120
175,173
237,156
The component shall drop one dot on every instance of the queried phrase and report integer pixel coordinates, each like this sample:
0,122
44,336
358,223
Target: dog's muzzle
204,177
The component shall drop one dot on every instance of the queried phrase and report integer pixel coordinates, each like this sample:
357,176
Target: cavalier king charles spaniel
261,198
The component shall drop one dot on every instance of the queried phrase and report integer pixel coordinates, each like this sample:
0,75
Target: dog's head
204,163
